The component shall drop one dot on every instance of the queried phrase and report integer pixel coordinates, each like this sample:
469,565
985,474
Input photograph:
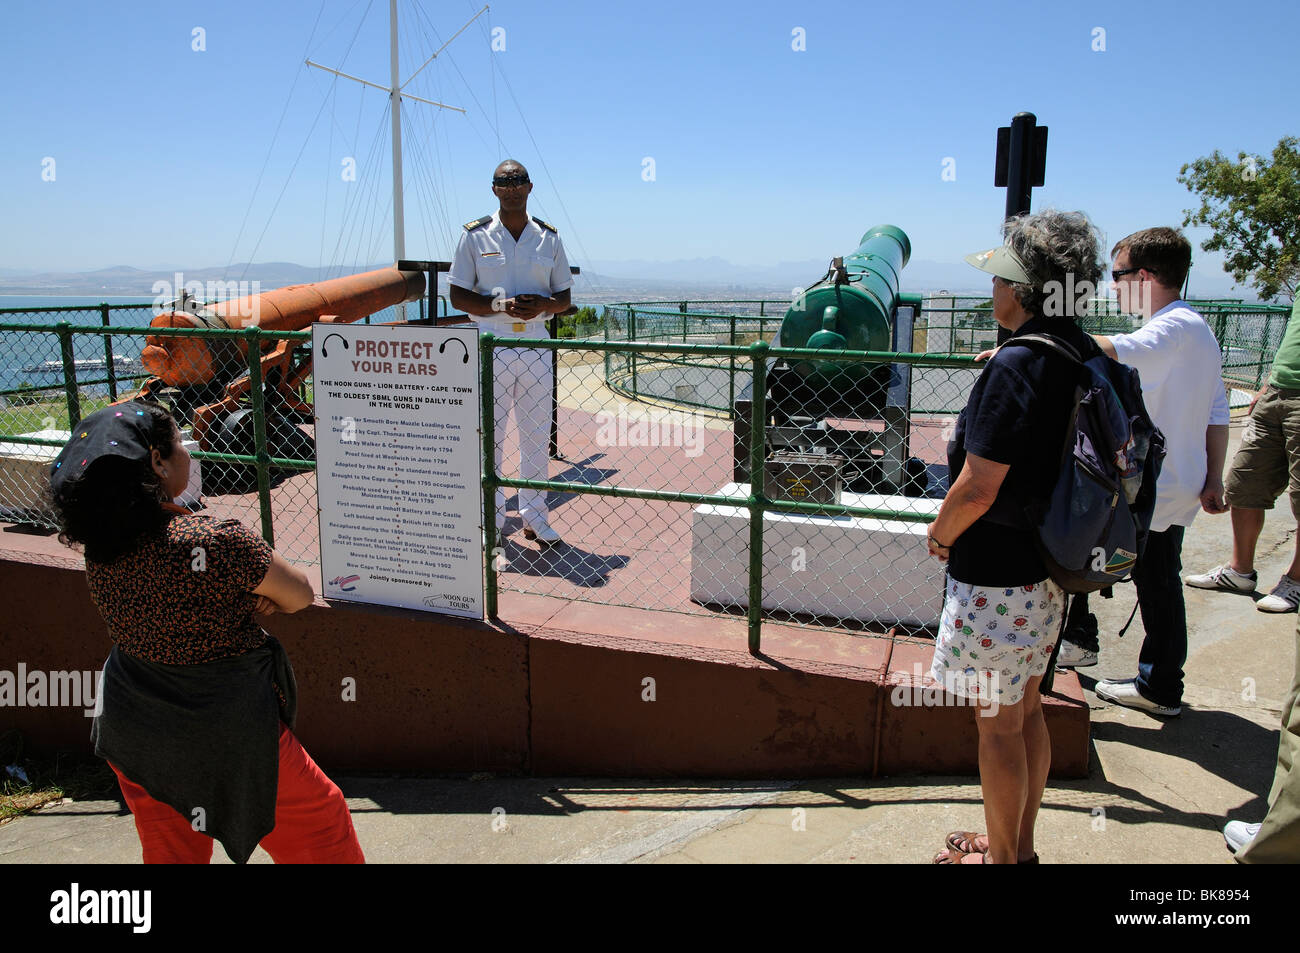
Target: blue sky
762,153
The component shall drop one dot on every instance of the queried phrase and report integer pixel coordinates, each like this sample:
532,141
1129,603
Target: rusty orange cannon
206,379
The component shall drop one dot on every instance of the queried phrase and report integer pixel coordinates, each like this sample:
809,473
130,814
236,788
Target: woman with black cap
198,701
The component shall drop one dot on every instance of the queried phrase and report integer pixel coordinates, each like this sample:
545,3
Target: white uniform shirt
490,262
1177,357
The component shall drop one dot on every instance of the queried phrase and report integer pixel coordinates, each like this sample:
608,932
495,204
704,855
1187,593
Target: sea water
22,355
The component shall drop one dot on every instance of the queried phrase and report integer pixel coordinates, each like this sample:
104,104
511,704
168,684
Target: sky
191,134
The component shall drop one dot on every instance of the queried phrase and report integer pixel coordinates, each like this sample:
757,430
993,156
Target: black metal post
553,332
69,375
1020,165
108,354
553,329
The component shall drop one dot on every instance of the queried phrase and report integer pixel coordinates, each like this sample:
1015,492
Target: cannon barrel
850,309
194,361
857,306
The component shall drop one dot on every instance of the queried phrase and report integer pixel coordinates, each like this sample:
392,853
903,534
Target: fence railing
41,417
737,528
660,506
1248,335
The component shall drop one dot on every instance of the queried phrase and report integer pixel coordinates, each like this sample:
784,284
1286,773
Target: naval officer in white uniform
511,272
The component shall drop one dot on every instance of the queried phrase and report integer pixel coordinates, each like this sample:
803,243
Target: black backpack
1093,528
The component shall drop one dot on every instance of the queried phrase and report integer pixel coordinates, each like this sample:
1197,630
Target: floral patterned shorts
993,640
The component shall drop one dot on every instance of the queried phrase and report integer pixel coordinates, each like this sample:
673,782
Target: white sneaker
1285,597
1071,656
1238,834
1126,693
1226,578
542,532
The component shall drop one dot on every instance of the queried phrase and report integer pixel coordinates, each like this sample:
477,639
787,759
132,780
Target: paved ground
1159,791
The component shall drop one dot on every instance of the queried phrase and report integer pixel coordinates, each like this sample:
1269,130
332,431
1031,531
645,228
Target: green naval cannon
851,308
857,306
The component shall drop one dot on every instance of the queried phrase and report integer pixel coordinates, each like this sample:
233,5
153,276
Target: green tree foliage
1253,207
569,323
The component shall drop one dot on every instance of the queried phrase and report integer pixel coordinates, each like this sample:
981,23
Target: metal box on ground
804,477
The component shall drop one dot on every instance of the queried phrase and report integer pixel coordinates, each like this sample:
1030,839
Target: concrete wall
441,695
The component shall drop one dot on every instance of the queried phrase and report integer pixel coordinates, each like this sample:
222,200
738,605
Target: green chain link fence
653,494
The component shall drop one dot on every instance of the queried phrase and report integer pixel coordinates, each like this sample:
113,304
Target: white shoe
542,532
1225,578
1126,693
1071,656
1238,834
1285,597
498,551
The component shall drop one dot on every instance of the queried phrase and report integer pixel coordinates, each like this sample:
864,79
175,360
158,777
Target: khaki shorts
1268,460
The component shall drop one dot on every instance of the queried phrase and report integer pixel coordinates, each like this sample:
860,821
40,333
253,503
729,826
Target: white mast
395,95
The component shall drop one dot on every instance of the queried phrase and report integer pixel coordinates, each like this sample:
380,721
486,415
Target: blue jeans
1160,597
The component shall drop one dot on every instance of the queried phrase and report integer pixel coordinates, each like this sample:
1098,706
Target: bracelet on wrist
930,536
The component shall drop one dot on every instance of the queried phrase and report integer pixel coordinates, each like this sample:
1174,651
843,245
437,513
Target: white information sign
397,466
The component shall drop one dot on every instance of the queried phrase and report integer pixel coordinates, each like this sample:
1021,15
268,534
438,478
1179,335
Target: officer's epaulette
477,223
546,225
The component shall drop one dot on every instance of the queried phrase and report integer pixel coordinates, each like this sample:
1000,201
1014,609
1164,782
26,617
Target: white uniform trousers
522,380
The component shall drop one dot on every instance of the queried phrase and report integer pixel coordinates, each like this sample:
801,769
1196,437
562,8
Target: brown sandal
951,856
964,841
947,856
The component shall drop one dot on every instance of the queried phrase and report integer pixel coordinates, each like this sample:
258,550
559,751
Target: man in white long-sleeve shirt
1178,359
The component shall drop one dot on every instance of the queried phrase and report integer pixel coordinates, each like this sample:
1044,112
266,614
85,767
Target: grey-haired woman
1001,612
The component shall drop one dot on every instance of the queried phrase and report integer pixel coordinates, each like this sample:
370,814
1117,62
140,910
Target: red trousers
312,823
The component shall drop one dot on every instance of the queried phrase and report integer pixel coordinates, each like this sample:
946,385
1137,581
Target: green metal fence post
731,378
487,392
69,375
631,336
757,492
108,353
607,356
251,334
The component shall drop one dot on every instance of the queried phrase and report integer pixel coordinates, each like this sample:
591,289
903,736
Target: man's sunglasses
1117,275
510,181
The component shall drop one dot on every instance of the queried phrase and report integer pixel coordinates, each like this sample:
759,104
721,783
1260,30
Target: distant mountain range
126,280
601,280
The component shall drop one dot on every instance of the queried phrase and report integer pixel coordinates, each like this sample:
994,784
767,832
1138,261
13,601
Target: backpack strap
1056,344
1049,677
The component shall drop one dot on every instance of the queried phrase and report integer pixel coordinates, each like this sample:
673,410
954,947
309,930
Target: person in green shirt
1267,463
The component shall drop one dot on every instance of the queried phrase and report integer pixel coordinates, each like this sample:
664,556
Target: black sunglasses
1117,275
509,181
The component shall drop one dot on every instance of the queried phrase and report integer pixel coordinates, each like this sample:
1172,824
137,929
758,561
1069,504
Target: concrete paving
1159,791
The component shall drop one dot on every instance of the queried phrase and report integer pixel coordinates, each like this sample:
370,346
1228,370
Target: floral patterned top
184,596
